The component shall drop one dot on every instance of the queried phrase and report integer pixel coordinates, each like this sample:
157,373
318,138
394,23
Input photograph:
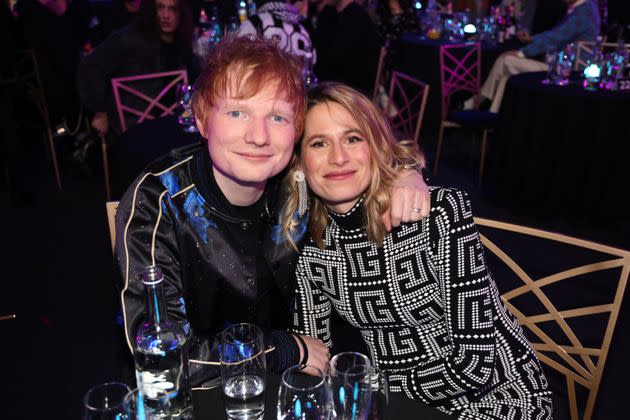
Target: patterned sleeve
311,314
465,286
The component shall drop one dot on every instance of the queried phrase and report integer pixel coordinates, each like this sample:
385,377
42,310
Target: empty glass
243,371
105,402
304,397
186,116
380,394
351,384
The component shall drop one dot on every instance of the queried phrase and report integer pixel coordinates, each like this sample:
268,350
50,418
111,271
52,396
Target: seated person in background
160,40
580,24
279,21
421,295
207,213
352,54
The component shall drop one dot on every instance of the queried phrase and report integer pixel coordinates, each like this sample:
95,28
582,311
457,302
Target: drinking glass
186,116
304,397
105,401
243,371
564,65
351,383
380,394
551,59
134,408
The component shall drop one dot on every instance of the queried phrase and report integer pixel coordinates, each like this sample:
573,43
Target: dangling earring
300,180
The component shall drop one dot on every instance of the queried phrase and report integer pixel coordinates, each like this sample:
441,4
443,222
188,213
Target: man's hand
100,123
524,37
409,199
318,354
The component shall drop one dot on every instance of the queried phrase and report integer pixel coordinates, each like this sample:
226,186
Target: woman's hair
242,67
149,26
387,155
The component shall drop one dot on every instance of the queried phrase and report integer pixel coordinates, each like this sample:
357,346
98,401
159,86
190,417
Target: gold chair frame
577,363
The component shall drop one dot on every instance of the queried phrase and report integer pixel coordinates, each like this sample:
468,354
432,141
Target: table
560,151
420,58
209,405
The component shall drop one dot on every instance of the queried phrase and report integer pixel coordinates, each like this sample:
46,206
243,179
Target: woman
421,295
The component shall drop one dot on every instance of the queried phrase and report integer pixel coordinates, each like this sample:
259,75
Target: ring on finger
415,209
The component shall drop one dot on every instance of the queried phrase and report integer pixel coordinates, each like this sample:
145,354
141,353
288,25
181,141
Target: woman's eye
317,143
354,139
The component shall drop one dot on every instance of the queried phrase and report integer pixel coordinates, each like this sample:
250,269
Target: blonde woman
421,295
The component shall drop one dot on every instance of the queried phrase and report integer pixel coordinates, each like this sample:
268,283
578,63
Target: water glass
105,401
186,116
351,384
551,59
243,371
564,65
135,408
304,397
380,394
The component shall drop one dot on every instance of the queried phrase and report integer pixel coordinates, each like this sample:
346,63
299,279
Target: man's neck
238,194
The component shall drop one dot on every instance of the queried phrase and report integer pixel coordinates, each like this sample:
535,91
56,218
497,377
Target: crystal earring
300,180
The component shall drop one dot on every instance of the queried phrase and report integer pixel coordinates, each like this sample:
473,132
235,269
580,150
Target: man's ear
200,127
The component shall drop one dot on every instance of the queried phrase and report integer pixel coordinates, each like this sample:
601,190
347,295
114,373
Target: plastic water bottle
160,358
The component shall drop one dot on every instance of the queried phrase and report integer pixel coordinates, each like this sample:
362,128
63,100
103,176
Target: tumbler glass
304,397
351,383
243,374
105,401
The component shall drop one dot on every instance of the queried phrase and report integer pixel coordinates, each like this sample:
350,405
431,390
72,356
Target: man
581,23
160,40
207,214
279,21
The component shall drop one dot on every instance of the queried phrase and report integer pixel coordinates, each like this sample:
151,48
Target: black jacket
219,269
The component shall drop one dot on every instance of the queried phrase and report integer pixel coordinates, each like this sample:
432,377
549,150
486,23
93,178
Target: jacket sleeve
466,292
311,314
96,71
569,30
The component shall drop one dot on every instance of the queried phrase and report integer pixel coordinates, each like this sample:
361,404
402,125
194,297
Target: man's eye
235,114
278,119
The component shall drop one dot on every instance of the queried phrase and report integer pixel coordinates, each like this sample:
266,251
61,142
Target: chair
566,293
111,207
407,99
148,107
31,82
378,82
586,50
460,69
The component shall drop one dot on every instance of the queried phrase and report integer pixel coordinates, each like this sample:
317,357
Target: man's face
167,15
250,140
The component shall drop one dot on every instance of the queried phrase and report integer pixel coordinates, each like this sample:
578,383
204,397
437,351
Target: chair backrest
151,105
379,71
460,70
586,49
566,293
111,207
407,100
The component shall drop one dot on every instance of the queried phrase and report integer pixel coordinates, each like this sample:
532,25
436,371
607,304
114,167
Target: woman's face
335,156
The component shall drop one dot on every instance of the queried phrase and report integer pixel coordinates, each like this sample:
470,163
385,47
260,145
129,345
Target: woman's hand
318,354
409,199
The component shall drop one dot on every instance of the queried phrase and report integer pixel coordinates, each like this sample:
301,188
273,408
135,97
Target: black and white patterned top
428,310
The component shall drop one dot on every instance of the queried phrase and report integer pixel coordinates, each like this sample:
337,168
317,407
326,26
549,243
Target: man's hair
243,66
387,156
148,24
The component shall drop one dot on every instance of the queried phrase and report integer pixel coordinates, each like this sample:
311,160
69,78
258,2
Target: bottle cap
152,275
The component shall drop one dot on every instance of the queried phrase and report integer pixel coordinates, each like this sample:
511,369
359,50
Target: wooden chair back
559,306
586,49
111,207
407,100
152,105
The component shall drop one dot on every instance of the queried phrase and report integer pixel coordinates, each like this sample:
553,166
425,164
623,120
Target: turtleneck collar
351,220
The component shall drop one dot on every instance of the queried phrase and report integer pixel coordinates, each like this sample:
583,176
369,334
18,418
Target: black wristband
304,349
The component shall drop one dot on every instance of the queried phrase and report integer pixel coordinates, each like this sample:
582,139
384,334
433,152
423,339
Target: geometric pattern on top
428,310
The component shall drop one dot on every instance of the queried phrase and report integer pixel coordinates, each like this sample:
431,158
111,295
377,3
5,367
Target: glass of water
304,397
351,384
243,371
105,401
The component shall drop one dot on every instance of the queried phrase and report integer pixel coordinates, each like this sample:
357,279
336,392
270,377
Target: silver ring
415,210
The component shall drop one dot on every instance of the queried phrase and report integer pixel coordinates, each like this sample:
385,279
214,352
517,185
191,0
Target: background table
560,151
420,58
209,405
